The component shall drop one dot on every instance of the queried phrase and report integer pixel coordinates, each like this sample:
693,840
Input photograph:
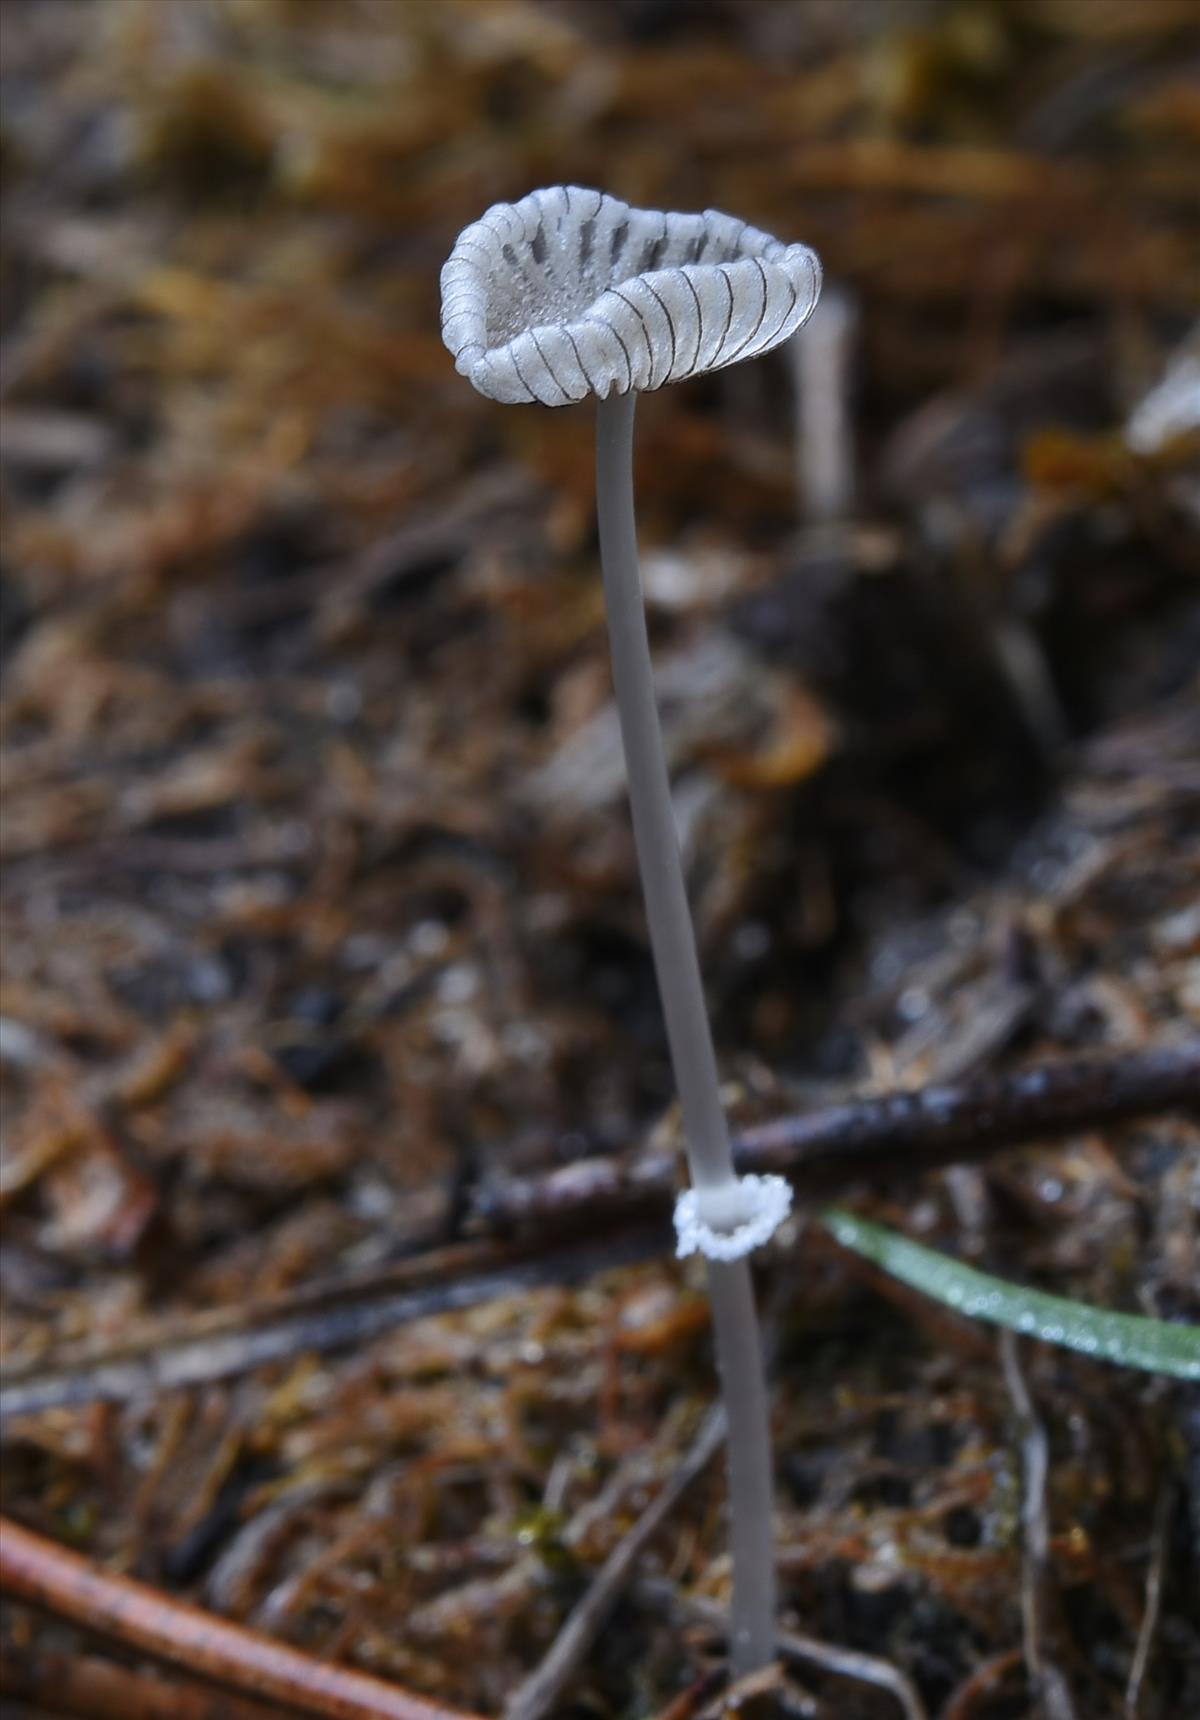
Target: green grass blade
1158,1346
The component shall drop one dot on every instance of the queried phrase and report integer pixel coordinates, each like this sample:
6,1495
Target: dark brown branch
894,1135
603,1213
49,1577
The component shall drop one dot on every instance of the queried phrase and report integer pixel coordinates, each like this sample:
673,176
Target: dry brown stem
43,1575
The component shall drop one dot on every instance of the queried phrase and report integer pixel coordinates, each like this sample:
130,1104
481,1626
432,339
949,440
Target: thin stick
1049,1685
981,1683
539,1693
44,1575
693,1059
1152,1610
696,1698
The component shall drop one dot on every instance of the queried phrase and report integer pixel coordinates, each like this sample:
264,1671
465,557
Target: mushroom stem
742,1368
706,1133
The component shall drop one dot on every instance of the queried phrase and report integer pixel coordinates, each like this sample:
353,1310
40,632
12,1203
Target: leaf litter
319,907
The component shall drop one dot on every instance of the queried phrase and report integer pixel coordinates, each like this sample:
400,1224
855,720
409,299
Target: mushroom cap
571,292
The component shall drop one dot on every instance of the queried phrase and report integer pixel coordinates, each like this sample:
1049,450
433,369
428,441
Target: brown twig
698,1694
894,1135
983,1682
898,1134
88,1688
44,1575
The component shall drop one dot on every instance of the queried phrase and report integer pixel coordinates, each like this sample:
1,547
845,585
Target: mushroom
571,293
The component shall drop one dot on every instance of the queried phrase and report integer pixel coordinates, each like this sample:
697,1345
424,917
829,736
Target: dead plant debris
319,917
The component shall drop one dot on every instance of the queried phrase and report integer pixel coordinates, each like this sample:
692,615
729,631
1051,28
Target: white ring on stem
731,1219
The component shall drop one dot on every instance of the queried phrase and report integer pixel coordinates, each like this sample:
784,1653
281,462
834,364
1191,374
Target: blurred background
319,896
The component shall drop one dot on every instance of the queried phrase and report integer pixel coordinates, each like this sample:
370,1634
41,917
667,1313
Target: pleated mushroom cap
571,293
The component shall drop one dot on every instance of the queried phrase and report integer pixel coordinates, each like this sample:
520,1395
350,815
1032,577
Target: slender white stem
706,1132
741,1365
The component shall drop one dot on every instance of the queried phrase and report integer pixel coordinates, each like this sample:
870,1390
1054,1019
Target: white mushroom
571,293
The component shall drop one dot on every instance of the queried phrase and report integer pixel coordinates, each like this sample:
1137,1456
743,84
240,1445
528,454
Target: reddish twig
982,1683
43,1575
696,1697
88,1688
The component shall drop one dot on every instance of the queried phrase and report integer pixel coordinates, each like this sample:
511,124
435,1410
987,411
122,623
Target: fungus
571,293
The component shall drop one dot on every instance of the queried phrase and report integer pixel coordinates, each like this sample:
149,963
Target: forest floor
322,939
